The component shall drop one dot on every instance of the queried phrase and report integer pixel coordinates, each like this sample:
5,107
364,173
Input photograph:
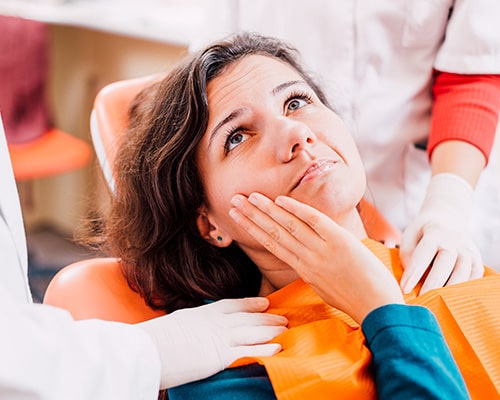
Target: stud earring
219,238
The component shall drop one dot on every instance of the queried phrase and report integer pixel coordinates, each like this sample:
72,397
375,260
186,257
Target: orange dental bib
324,353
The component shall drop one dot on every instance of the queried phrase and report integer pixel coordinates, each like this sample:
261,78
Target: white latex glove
196,343
441,232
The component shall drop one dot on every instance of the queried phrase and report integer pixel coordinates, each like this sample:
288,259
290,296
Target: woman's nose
292,138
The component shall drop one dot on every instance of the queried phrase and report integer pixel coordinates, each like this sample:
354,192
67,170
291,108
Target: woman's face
269,133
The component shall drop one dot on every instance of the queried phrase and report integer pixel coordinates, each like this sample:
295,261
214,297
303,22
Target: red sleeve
465,107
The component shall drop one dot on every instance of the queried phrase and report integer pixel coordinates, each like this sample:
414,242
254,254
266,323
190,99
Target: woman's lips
316,169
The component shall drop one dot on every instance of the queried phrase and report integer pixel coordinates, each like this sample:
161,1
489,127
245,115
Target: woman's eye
234,139
296,103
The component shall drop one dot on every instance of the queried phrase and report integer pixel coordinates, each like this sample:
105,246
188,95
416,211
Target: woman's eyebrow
286,85
233,115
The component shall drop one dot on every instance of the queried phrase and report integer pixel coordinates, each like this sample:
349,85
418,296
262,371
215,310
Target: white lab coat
44,354
375,58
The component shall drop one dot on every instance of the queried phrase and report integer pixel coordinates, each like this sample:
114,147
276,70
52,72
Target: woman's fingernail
280,201
255,198
236,201
234,214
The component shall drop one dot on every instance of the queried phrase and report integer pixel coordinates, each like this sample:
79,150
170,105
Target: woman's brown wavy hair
151,226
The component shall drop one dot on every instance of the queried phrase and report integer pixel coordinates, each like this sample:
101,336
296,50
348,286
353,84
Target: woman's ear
209,231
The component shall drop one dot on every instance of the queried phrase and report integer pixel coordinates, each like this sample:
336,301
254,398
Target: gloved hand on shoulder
195,343
439,237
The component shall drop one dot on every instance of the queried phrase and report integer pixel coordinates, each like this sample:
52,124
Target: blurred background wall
82,62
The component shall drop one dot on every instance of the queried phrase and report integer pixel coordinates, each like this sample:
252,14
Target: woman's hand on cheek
326,256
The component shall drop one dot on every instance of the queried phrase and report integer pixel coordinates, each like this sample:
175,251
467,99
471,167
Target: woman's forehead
253,72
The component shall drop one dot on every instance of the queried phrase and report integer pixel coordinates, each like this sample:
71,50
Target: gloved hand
440,237
195,343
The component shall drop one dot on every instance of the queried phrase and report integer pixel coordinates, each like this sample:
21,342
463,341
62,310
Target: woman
421,85
235,122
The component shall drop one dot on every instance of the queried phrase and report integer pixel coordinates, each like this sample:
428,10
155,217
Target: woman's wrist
390,315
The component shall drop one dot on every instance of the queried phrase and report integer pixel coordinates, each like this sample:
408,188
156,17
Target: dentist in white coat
44,354
379,59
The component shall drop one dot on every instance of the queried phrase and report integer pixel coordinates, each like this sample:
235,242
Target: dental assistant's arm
464,112
463,125
47,355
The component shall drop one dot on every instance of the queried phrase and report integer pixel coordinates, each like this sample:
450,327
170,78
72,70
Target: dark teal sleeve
411,359
249,382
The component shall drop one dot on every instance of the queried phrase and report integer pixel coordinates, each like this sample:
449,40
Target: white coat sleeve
472,40
44,353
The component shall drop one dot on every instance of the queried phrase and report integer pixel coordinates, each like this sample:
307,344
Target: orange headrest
109,118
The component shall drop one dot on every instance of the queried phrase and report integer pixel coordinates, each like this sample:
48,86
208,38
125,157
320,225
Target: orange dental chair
96,288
